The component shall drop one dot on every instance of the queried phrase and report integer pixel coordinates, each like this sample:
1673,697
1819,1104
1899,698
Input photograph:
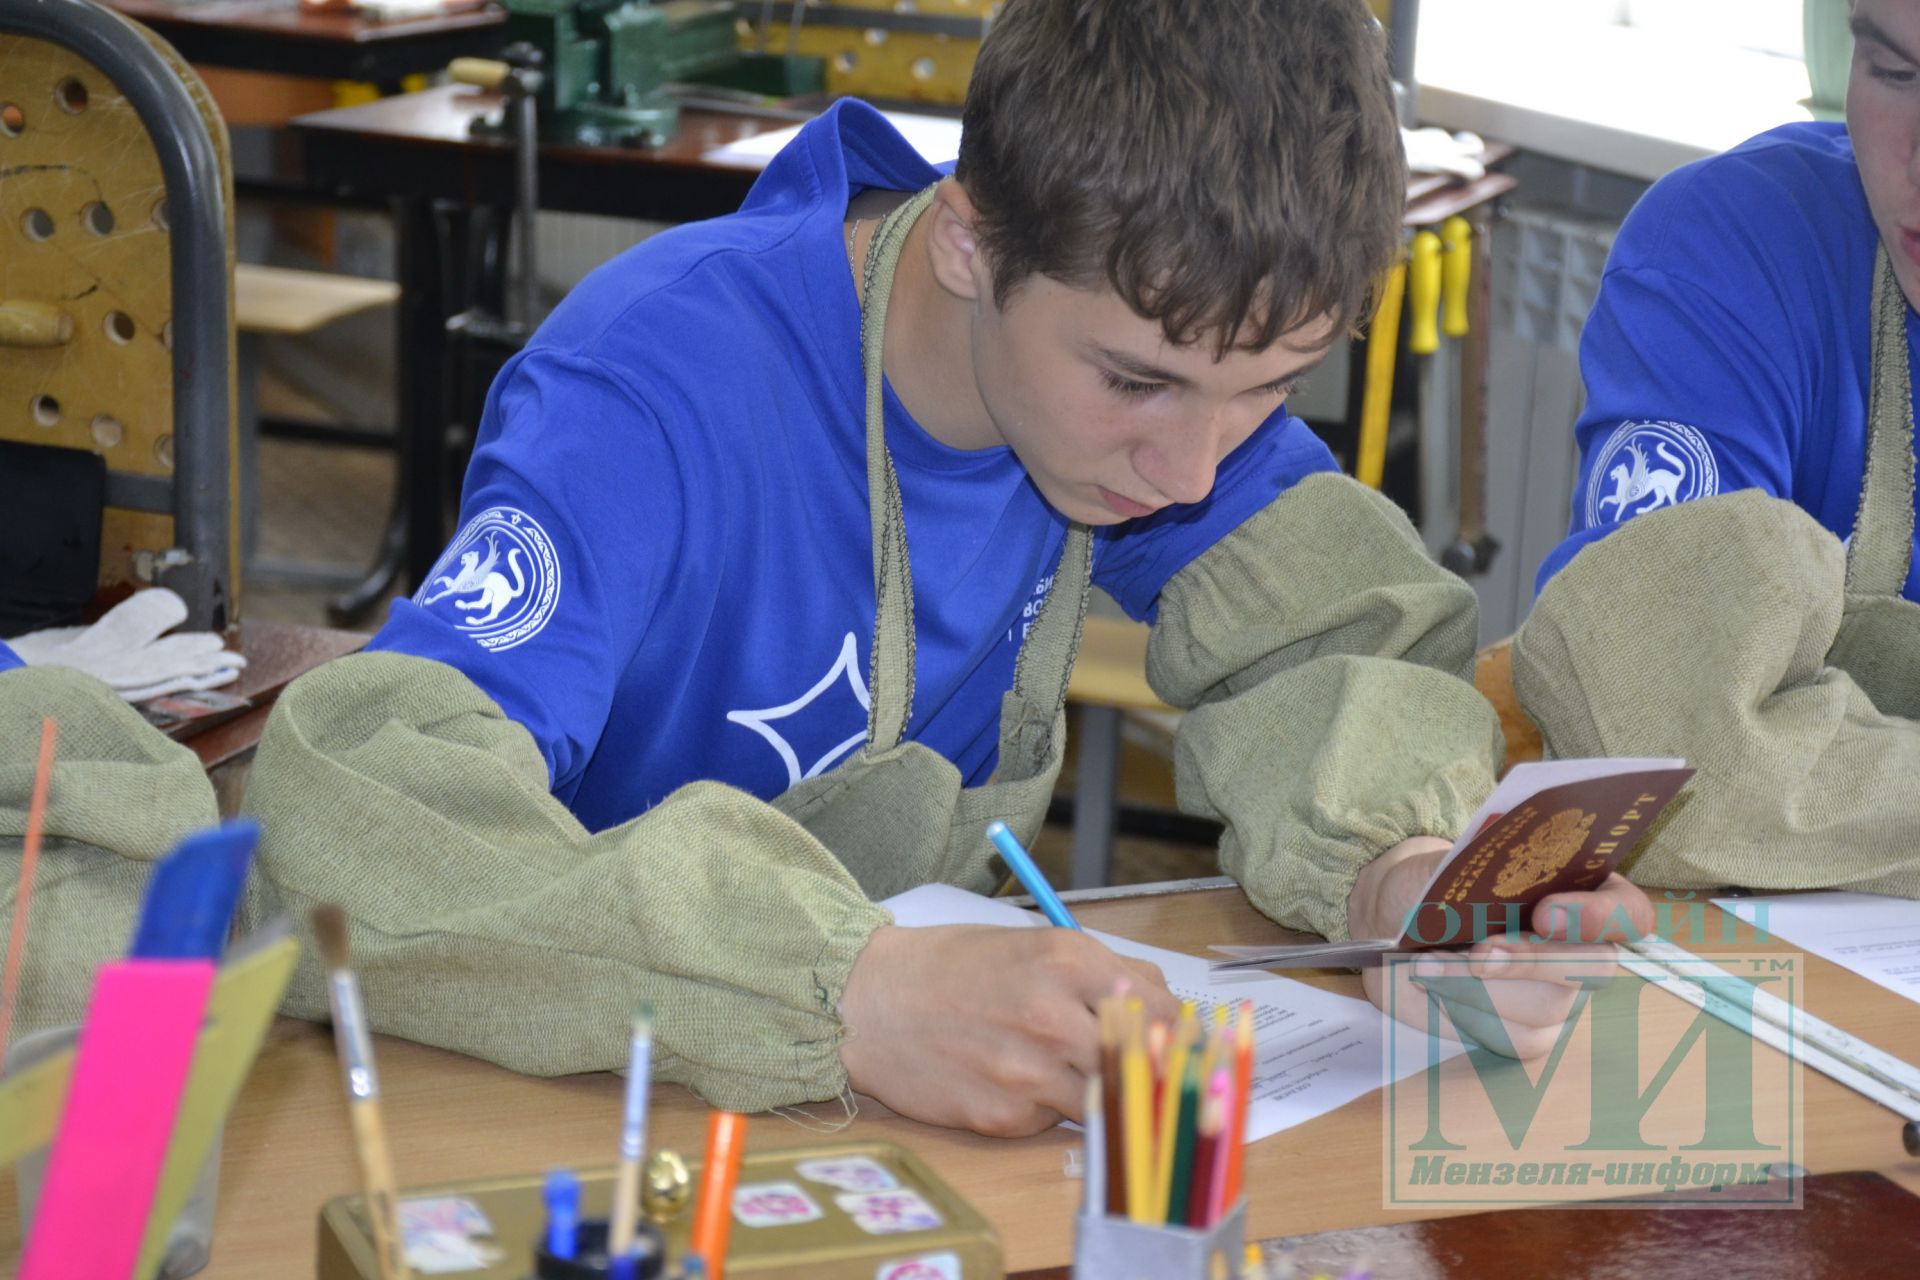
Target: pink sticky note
136,1047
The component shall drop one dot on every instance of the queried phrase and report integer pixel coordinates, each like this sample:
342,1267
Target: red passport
1548,828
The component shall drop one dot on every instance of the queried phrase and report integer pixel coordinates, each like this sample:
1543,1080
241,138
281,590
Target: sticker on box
928,1266
446,1235
884,1213
774,1204
849,1173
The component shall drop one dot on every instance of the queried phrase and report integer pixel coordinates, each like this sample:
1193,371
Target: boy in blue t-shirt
1725,593
739,636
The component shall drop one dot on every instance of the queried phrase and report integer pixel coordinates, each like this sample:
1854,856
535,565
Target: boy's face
1111,420
1883,119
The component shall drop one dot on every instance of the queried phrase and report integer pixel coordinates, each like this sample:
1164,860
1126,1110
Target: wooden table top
277,653
444,116
451,1119
283,37
423,144
290,20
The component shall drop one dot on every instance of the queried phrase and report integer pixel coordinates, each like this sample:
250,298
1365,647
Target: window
1769,26
1765,26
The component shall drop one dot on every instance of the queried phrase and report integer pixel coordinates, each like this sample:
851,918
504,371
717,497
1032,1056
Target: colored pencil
23,895
1094,1173
1112,1106
1137,1085
1197,1211
1178,1055
1220,1093
1242,1099
633,1135
713,1207
355,1046
1173,1206
1021,863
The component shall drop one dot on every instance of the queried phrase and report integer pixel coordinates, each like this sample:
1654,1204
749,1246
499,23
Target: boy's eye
1892,75
1128,386
1282,388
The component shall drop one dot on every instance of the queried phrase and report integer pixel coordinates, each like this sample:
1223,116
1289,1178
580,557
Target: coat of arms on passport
1559,827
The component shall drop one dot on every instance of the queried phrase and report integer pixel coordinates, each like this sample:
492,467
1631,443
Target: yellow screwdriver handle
1457,272
33,324
482,73
1376,404
1423,295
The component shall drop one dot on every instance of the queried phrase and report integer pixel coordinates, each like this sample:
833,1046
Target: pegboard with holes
914,50
86,291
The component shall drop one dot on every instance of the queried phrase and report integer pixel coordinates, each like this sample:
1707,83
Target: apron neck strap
1881,550
1046,657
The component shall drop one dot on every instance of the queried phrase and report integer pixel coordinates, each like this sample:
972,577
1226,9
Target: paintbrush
363,1091
633,1135
23,896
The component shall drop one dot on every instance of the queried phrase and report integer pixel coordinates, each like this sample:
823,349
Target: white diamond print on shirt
846,668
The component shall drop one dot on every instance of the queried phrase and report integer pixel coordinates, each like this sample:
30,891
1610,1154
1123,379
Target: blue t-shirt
1729,347
664,568
9,659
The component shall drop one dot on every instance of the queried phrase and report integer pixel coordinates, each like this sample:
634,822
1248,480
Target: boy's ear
953,249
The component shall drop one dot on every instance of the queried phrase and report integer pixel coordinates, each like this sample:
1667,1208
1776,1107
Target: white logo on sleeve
1648,465
845,667
501,575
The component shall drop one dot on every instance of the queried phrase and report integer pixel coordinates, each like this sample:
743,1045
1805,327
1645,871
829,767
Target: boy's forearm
488,921
1708,631
1326,663
122,795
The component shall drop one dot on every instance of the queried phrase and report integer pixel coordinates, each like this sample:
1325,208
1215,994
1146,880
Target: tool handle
1457,275
482,73
1376,406
33,324
1423,295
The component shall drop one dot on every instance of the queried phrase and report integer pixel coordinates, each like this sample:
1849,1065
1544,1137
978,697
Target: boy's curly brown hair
1231,168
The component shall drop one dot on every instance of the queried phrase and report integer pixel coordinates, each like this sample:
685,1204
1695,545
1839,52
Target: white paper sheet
1877,937
1314,1051
936,138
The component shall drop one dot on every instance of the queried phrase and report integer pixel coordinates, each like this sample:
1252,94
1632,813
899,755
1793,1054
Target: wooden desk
281,37
453,1119
419,151
277,654
421,145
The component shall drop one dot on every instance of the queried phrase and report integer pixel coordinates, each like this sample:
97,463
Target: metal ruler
1889,1081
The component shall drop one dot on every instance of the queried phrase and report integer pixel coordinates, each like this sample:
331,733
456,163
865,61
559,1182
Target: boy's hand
1528,995
983,1028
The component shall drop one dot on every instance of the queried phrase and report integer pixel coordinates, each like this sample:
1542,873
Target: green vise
608,62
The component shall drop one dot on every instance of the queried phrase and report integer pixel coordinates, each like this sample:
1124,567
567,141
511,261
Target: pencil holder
1107,1248
590,1261
189,1239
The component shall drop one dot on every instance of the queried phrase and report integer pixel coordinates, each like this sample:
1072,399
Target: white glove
129,649
1433,150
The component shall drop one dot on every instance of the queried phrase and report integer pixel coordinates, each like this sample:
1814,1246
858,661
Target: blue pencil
1029,876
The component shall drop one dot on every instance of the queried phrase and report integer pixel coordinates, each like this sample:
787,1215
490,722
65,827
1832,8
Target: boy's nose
1191,463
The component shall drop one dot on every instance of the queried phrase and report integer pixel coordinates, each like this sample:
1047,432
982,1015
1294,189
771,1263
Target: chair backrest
115,260
1493,676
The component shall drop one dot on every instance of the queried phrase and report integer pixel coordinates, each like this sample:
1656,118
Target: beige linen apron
1879,628
896,795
